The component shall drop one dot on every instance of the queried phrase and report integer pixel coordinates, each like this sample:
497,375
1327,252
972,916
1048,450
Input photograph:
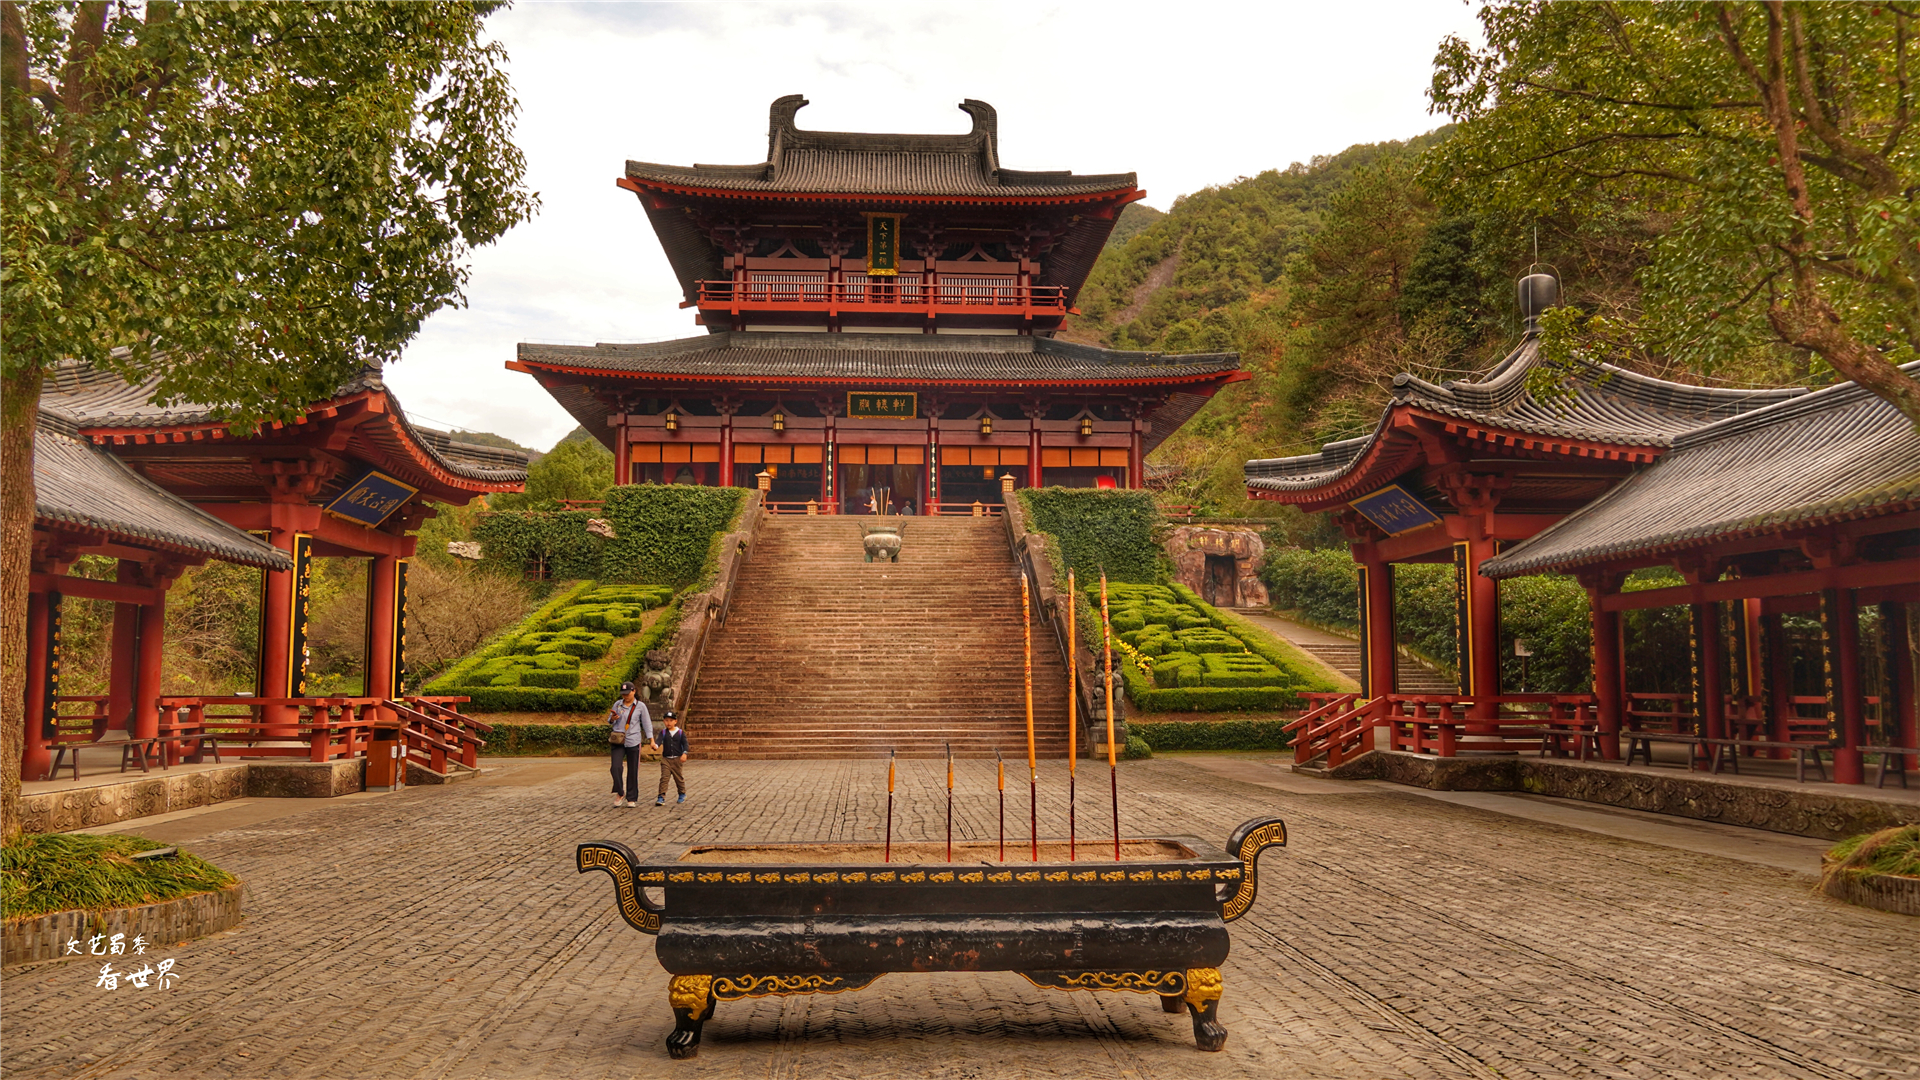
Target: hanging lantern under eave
779,421
1086,425
673,420
986,423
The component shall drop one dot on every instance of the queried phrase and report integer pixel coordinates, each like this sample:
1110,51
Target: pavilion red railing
436,734
811,506
788,295
1335,726
316,728
84,722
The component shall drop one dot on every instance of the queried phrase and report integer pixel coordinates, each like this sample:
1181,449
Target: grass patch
517,738
48,872
1893,851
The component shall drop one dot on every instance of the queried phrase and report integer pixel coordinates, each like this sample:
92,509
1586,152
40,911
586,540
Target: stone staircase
1410,675
824,655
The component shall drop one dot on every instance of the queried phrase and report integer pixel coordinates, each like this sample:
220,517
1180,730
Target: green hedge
662,533
666,533
547,740
1319,583
1095,528
1214,734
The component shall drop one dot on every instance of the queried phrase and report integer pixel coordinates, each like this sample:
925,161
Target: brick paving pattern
444,933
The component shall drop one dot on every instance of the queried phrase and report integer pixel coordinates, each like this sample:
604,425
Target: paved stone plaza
445,933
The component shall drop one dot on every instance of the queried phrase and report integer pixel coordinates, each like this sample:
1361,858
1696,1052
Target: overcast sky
1186,95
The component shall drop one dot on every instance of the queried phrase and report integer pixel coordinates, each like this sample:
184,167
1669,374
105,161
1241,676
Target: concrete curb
1882,892
44,938
1826,812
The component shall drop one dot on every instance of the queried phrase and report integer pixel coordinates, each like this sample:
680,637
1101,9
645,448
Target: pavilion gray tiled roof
881,358
1604,404
1836,454
79,485
86,396
859,163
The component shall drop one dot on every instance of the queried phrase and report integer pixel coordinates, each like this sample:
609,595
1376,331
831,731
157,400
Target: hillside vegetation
1329,277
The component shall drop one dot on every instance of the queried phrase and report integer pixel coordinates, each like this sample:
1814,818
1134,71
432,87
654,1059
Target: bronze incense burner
755,920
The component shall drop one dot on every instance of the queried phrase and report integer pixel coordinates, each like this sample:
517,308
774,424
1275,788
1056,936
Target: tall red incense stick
1113,760
889,855
1073,721
1033,766
949,802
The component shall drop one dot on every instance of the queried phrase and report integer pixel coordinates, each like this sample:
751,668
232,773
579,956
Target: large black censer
742,921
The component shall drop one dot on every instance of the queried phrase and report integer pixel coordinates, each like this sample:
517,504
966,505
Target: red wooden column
1136,458
1376,627
276,617
622,454
1609,681
725,478
383,621
34,755
123,660
1483,629
1033,446
1713,682
1779,668
153,636
1844,660
1902,711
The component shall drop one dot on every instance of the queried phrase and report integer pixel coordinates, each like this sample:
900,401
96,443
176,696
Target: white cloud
1185,95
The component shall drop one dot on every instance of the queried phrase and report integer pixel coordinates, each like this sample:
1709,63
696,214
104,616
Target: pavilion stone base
160,793
305,779
150,794
1884,892
1824,812
44,938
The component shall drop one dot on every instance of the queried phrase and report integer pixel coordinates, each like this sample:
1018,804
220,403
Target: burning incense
1113,761
889,855
1073,722
1033,766
949,802
1001,766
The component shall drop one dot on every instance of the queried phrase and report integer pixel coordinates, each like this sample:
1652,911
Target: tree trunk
19,406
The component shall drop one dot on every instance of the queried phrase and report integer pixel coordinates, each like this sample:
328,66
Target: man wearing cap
629,727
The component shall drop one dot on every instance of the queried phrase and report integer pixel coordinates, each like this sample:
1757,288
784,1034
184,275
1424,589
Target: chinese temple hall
880,315
1767,503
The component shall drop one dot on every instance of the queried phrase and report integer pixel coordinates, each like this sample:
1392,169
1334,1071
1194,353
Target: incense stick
1033,767
1113,759
949,802
1073,718
889,855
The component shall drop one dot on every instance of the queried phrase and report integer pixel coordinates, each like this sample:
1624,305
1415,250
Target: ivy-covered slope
662,535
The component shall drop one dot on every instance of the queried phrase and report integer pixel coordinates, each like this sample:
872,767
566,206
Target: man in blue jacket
673,752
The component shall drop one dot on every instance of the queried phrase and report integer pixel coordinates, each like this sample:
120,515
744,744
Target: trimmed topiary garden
1183,655
569,656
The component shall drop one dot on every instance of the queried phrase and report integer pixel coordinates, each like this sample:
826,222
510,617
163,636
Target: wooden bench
131,747
1727,751
1641,743
1898,756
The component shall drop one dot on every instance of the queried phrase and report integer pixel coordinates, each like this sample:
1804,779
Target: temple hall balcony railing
832,296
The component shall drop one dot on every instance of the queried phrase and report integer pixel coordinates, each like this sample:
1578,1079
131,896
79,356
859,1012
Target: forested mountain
1331,276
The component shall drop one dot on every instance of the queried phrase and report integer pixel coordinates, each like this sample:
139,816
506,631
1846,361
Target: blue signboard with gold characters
370,499
1395,511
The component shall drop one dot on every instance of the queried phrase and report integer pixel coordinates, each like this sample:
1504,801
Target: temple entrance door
1222,583
893,475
